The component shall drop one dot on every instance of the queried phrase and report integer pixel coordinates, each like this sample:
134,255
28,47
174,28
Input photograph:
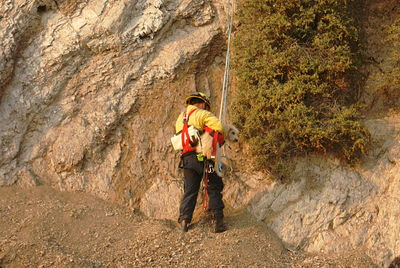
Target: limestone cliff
90,89
89,92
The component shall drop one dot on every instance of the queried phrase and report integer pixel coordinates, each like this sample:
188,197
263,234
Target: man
198,115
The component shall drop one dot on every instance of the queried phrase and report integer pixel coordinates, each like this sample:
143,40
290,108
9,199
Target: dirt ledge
42,227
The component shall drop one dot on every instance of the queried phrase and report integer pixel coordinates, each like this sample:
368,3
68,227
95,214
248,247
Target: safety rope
224,95
222,111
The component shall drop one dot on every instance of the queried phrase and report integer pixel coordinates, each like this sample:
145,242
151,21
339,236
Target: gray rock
89,93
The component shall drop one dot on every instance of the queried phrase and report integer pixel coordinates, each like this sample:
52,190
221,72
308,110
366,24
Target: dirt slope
41,227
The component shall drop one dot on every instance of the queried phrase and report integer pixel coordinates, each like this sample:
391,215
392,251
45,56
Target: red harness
218,138
187,146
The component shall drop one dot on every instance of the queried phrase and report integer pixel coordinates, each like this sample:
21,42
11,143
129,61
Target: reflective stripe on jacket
200,119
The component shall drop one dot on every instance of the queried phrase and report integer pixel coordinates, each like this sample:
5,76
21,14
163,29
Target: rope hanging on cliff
222,111
224,95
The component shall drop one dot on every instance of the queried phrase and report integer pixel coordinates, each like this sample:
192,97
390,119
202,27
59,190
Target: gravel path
41,227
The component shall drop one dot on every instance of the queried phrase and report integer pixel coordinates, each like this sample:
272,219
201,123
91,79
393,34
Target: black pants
193,172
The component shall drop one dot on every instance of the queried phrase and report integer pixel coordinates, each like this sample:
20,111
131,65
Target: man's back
199,119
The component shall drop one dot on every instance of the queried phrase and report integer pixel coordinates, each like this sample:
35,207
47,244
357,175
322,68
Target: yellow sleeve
200,119
203,118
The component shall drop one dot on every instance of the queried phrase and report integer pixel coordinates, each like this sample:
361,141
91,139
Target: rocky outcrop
84,103
332,209
89,92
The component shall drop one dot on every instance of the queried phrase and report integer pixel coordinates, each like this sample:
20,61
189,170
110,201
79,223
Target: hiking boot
220,225
185,226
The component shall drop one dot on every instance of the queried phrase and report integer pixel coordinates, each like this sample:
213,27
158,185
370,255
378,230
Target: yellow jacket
199,119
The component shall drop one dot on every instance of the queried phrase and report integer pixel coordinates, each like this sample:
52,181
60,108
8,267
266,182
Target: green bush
390,85
294,61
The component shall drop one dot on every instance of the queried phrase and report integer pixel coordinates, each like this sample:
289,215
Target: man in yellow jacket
198,115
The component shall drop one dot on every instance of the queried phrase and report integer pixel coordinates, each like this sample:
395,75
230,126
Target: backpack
187,139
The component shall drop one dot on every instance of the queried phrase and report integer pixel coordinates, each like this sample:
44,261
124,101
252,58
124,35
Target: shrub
294,61
390,85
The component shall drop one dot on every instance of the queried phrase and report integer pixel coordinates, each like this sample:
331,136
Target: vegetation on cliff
296,64
391,77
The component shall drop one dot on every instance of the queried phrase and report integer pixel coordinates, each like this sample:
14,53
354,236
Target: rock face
90,89
333,209
89,93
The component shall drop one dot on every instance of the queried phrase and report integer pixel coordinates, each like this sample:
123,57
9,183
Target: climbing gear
201,96
209,165
222,111
216,135
189,142
224,94
187,139
176,140
210,168
200,157
206,171
218,138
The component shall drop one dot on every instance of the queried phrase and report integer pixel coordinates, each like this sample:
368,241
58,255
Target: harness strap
217,139
185,133
204,204
214,145
221,139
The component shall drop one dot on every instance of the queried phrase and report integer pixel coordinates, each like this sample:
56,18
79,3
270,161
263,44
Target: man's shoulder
200,111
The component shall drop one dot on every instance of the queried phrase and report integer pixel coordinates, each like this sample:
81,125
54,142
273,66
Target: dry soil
42,227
